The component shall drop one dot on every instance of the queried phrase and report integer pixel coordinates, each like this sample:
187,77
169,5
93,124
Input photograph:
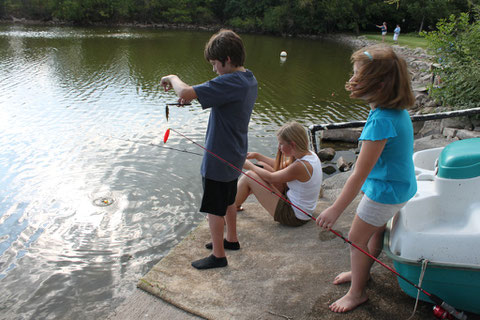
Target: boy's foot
348,303
226,244
210,262
240,208
344,277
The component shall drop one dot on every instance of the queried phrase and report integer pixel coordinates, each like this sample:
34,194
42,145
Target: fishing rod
437,300
151,144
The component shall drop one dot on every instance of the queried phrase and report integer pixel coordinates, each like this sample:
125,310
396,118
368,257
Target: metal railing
357,124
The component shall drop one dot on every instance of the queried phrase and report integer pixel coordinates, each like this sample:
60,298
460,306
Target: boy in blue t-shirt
231,97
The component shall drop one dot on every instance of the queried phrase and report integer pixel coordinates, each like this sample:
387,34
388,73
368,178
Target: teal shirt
392,179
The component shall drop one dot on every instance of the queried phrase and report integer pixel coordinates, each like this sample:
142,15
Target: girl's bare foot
348,302
240,208
343,278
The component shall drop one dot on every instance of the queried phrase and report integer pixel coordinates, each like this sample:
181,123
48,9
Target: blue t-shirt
392,179
231,98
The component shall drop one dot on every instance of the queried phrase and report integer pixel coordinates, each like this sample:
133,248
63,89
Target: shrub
456,48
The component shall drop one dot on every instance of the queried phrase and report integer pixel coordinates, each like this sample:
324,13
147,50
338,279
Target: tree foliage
456,46
274,16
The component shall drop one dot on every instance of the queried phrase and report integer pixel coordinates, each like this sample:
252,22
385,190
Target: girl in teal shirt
384,170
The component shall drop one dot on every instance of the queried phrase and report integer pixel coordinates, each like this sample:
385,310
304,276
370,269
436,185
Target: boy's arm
184,92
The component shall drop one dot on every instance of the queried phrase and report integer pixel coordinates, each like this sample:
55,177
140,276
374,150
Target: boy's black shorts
217,196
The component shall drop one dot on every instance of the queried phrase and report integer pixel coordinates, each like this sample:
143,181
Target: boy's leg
231,240
217,259
216,195
216,231
360,234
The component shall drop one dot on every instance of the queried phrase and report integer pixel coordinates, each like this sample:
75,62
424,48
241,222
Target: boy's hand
182,102
184,92
166,82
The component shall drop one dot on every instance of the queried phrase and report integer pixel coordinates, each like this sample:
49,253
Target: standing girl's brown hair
382,78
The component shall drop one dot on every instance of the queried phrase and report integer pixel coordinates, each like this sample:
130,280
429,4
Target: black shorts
217,196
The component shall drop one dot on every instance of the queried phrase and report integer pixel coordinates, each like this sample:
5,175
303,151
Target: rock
426,78
457,123
429,142
467,134
420,97
347,135
475,120
430,104
326,154
449,133
417,126
329,169
343,165
430,127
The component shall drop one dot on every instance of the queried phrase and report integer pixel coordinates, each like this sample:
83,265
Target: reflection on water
82,120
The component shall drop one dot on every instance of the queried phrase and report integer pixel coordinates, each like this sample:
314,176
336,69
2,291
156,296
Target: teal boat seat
460,160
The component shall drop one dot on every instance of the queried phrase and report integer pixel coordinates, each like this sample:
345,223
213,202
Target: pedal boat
441,224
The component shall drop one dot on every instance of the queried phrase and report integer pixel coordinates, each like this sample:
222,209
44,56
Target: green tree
456,46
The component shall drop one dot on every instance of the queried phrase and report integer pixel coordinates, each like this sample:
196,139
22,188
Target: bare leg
243,191
361,233
265,197
374,248
216,231
231,219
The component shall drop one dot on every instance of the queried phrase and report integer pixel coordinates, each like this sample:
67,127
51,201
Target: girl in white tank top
299,178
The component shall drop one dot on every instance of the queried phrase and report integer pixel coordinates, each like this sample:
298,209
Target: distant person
384,170
396,33
231,97
296,174
383,29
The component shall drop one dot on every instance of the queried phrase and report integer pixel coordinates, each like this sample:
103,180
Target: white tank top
305,194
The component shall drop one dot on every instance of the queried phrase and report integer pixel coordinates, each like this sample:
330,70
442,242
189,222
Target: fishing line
167,110
151,145
437,300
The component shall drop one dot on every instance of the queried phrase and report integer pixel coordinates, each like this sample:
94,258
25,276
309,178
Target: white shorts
384,33
395,37
375,213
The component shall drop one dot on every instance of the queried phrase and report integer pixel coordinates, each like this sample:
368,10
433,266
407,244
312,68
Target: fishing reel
441,313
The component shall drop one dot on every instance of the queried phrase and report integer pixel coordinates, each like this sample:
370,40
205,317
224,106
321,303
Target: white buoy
283,54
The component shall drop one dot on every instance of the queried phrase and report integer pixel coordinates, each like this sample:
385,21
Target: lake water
87,204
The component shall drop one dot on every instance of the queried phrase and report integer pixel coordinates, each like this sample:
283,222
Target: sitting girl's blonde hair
291,132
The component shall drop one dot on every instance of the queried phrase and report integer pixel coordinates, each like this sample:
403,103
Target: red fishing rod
437,300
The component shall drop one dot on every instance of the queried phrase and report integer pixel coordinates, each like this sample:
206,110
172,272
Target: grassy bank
411,40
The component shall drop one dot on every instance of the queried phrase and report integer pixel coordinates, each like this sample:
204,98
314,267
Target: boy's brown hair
382,78
223,44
